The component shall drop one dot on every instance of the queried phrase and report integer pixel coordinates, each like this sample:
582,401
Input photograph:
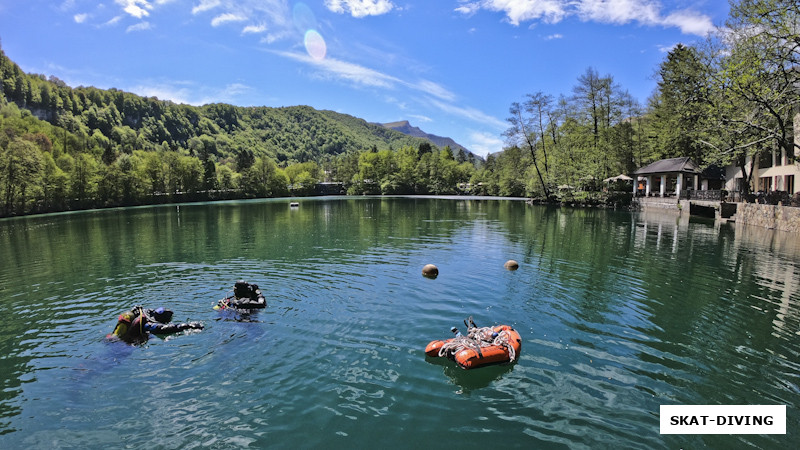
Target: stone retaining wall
784,218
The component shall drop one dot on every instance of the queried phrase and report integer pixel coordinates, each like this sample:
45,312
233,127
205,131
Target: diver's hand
195,325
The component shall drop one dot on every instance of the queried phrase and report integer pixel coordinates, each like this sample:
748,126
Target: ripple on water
618,315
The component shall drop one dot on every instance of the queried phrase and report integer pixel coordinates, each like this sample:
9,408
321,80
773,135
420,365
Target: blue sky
450,67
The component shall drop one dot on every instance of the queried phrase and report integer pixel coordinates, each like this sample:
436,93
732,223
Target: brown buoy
511,265
430,271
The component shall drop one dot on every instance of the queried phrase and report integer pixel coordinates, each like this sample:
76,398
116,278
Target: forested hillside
67,148
730,99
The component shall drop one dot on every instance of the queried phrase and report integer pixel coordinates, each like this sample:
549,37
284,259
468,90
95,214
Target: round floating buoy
430,271
511,265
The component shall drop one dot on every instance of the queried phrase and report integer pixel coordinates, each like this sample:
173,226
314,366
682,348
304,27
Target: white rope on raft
477,338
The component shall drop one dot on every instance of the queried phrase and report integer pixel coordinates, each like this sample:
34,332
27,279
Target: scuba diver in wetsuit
245,296
135,325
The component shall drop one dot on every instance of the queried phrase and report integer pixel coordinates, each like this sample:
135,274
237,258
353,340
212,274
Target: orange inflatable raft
481,347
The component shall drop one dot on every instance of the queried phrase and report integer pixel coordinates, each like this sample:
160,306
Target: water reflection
618,313
470,380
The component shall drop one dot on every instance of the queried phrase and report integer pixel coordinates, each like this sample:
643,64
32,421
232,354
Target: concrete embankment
783,218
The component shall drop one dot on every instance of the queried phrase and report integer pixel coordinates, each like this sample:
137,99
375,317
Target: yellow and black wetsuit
135,325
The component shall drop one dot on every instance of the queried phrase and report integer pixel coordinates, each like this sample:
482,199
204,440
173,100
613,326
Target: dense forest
723,101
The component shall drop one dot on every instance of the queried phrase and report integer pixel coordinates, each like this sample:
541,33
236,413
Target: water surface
619,313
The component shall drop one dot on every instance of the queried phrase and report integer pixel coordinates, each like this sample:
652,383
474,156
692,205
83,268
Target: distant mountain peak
405,127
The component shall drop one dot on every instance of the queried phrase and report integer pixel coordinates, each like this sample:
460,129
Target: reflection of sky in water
306,23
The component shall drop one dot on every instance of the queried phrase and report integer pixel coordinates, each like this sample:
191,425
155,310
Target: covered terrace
667,177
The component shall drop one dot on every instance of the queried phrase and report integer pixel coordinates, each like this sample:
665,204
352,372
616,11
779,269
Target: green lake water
619,313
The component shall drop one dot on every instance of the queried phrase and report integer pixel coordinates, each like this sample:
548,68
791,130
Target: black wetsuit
245,296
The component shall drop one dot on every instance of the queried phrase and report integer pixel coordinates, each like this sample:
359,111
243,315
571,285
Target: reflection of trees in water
716,294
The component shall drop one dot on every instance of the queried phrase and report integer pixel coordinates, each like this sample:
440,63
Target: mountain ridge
405,127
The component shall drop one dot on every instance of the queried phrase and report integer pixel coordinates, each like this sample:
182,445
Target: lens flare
303,18
315,45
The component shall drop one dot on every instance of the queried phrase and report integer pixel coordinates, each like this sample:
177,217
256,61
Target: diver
245,296
135,326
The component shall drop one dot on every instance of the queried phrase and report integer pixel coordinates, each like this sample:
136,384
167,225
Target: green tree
84,178
54,184
683,102
20,171
522,134
210,180
264,179
190,174
227,178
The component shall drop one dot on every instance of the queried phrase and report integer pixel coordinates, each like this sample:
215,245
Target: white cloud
666,48
80,18
420,118
141,26
346,71
517,11
256,15
554,36
470,114
617,12
364,76
205,5
482,143
260,28
690,23
469,8
360,8
435,89
164,91
190,93
113,21
226,18
136,8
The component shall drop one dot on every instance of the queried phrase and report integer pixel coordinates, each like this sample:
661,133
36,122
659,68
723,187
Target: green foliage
65,148
729,100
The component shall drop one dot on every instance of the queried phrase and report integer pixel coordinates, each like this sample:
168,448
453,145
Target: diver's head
162,315
241,289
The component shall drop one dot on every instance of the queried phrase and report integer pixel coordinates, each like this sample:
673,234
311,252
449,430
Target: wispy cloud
470,113
517,11
256,29
666,48
360,8
113,21
141,26
205,5
421,118
554,36
257,16
483,143
435,89
226,18
188,92
332,68
80,18
617,12
363,76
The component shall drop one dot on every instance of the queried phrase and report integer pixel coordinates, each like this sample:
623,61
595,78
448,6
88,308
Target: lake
619,313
